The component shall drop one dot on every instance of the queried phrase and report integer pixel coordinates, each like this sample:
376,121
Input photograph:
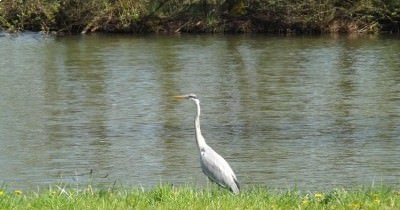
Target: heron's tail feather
235,189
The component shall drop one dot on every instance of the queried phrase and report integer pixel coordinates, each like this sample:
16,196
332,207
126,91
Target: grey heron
213,165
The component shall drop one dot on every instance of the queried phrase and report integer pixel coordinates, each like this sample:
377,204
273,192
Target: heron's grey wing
218,170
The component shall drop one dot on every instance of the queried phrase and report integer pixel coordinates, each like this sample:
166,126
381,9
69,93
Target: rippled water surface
311,112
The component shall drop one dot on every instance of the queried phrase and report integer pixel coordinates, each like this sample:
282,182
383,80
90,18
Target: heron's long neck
201,143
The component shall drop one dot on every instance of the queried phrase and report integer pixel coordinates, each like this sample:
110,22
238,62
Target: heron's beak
179,97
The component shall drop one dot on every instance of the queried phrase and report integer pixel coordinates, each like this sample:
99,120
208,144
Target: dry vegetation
138,16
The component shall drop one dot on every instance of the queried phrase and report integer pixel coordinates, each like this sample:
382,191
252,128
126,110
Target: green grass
187,197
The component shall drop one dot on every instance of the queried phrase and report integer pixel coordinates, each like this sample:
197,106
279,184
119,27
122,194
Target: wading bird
213,165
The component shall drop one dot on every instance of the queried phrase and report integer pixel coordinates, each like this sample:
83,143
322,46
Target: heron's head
190,96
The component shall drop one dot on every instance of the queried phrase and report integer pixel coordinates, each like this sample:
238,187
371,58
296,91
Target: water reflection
313,112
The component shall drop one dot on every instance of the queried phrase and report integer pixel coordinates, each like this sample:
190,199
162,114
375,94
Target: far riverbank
202,16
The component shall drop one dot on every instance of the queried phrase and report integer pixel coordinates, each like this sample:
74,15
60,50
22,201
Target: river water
314,112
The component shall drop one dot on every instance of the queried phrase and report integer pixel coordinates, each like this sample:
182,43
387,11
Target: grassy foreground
167,197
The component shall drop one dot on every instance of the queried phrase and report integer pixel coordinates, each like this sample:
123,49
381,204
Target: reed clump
138,16
187,197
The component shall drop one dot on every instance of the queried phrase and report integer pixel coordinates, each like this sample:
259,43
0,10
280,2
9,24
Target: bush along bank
201,16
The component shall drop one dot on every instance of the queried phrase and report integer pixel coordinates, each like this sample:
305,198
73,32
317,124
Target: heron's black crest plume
192,96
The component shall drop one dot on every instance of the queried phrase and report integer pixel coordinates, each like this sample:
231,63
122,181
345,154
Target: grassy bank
166,197
138,16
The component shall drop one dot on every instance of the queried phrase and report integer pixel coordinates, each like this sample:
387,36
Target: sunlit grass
187,197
